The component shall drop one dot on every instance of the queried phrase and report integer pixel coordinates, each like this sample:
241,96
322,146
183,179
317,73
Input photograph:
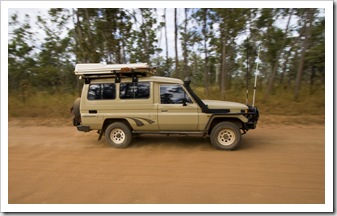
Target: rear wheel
118,135
226,136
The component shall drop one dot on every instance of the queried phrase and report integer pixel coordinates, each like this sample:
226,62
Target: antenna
257,66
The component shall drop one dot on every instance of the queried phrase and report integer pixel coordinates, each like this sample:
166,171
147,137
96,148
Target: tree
232,22
86,42
113,29
210,40
288,12
204,17
144,42
166,67
315,54
308,17
55,65
21,61
176,41
192,45
184,42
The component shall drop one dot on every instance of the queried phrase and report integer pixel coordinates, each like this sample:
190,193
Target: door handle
164,110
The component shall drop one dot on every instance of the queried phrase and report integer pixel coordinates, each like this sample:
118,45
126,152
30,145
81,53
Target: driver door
176,111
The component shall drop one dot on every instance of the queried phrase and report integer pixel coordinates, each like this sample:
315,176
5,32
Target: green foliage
164,66
316,53
20,53
144,38
213,51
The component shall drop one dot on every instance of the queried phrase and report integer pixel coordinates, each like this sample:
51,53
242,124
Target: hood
233,106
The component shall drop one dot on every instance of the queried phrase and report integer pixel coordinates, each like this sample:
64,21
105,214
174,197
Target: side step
170,132
83,128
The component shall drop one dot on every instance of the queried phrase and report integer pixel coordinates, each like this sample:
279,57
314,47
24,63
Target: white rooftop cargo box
103,69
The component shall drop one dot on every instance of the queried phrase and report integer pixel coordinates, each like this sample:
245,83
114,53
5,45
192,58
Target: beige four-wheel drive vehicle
123,100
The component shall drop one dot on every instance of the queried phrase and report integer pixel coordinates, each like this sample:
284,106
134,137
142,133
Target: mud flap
100,132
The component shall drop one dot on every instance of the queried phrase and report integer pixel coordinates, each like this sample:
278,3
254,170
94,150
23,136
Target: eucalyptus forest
222,49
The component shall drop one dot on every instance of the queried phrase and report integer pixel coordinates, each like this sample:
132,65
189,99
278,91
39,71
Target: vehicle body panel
151,115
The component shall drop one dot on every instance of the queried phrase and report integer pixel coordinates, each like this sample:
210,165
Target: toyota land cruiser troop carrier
122,100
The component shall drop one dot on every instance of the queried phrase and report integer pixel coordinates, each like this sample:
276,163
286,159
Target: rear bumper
83,128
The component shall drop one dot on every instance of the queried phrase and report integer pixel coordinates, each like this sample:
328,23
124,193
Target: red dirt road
58,165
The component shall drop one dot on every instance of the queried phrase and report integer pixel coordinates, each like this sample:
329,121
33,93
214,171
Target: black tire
118,135
226,136
75,112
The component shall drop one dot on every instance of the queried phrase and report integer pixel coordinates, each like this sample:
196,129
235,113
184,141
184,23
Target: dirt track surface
278,164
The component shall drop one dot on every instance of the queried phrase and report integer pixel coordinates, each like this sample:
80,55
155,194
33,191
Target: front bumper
253,116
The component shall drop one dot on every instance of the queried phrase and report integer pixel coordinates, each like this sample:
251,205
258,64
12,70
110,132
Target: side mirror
184,100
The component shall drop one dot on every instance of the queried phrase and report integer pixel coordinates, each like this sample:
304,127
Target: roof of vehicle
157,79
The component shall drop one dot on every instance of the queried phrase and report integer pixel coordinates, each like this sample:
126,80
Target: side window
138,90
173,94
105,91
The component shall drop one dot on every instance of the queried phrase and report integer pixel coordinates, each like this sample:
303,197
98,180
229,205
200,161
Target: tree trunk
223,68
166,42
274,71
166,45
309,18
312,78
145,38
124,51
176,39
284,66
78,35
204,30
195,57
186,73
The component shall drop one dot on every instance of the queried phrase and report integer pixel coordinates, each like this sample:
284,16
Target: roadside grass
281,102
278,107
40,104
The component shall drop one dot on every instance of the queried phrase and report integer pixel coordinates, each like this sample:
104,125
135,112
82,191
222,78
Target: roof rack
95,71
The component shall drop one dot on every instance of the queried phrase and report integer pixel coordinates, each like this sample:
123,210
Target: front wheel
118,135
226,136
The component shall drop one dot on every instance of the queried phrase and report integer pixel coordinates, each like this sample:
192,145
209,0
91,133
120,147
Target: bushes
44,104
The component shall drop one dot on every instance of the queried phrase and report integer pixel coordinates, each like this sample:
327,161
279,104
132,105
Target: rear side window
104,91
138,90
